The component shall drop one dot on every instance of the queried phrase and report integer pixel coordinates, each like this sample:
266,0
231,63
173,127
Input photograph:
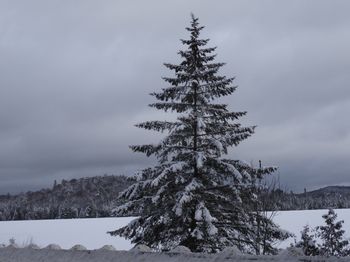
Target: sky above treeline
75,78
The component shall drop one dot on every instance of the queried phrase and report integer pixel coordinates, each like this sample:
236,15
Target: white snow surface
294,221
91,232
88,232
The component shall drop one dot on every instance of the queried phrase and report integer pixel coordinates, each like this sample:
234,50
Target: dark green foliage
194,196
326,240
77,198
328,197
332,236
308,242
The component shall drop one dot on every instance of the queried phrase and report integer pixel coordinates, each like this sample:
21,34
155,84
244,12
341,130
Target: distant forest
97,197
76,198
323,198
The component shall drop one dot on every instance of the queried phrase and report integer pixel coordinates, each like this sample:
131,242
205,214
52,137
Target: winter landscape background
91,197
73,82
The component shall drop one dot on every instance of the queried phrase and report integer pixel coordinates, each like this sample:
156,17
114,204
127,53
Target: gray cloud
75,78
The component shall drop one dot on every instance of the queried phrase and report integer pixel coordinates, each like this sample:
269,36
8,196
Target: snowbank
90,233
49,255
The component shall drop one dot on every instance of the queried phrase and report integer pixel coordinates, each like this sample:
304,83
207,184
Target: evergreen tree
332,235
308,242
195,197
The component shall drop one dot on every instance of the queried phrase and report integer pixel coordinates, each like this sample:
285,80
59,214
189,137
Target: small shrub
308,242
326,240
332,236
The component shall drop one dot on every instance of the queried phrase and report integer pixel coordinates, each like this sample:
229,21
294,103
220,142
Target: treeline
97,197
324,198
76,198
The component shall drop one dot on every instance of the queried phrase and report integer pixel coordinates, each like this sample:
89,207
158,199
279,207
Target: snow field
91,233
294,221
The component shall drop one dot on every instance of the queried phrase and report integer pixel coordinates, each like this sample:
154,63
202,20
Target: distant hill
323,198
330,190
97,196
84,197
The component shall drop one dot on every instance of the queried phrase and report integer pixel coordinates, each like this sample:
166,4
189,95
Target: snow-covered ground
91,233
45,255
294,221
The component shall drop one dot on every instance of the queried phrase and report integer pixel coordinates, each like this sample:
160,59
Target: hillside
323,198
330,191
84,197
97,196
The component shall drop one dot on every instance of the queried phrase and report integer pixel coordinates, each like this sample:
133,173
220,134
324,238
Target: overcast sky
75,78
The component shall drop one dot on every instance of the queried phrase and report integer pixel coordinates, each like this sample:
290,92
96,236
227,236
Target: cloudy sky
75,78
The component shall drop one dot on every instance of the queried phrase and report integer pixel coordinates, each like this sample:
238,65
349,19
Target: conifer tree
308,242
194,196
332,235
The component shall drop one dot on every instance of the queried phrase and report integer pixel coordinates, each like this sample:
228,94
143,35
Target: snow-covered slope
91,233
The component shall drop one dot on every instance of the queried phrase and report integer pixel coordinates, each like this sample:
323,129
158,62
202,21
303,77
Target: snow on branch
174,167
187,195
203,214
159,125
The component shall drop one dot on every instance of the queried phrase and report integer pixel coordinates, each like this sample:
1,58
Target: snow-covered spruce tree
194,197
332,236
308,242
